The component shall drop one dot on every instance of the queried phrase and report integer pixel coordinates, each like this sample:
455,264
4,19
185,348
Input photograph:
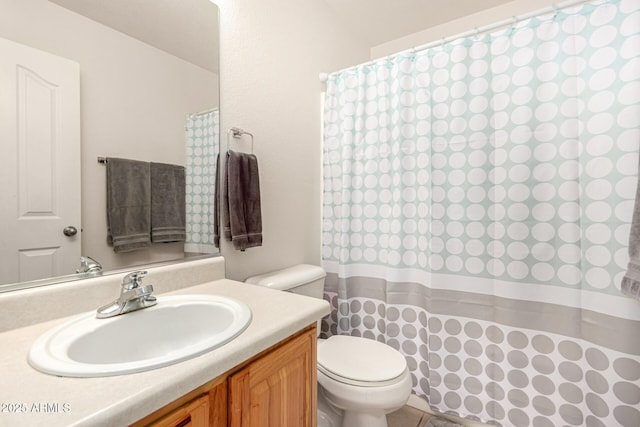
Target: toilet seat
360,361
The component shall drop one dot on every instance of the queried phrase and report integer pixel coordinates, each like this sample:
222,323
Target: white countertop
122,400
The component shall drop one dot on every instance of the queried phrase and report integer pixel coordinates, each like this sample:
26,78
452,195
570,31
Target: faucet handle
89,265
133,280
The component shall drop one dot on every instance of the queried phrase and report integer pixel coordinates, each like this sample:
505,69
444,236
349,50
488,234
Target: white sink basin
176,329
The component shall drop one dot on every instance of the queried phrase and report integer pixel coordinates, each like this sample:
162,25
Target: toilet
359,380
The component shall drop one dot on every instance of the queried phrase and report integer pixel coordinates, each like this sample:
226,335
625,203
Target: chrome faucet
89,266
133,297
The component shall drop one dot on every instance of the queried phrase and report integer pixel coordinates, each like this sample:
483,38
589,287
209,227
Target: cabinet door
279,389
193,414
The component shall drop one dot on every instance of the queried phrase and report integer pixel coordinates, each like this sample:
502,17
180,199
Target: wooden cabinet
277,388
193,414
204,407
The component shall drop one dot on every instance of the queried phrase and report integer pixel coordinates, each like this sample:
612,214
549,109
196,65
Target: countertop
121,400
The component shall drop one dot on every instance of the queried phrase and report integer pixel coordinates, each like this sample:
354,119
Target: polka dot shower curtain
477,206
202,147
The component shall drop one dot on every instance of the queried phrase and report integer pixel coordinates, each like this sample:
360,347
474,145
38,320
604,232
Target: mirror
146,89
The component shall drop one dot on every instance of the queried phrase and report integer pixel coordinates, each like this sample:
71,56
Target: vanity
266,372
276,387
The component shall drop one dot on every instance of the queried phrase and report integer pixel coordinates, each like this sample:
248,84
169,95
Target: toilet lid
360,360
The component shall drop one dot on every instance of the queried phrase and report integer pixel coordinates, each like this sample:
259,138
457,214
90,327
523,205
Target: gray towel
128,204
241,201
631,281
168,217
216,205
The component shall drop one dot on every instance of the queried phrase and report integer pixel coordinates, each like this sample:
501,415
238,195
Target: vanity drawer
193,414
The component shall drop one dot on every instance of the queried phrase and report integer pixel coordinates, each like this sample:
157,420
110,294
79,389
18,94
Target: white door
39,164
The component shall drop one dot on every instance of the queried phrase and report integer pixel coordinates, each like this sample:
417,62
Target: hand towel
243,219
128,204
168,216
630,285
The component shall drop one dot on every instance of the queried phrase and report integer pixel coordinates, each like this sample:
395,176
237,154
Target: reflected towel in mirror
168,218
128,204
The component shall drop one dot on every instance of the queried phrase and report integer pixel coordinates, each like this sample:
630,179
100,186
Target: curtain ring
513,24
412,56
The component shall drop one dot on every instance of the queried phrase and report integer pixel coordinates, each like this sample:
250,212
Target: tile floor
407,416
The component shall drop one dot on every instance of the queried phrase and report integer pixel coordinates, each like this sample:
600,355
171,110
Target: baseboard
420,404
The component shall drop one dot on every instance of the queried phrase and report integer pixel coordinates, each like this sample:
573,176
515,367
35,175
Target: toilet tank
303,279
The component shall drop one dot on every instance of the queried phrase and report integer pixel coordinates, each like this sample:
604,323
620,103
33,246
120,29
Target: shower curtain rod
210,110
476,31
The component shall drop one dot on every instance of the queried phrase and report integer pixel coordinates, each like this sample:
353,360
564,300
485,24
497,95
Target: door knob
70,231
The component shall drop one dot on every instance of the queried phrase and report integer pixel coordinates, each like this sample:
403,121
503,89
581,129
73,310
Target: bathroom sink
176,329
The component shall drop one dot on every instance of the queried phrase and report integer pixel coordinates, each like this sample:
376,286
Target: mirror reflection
89,79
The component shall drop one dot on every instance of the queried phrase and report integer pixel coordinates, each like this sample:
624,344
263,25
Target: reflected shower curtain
202,131
477,205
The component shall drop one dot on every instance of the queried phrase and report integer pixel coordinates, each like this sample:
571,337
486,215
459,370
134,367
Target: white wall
271,55
133,97
459,26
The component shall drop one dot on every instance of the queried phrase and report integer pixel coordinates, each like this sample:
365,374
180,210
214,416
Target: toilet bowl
359,380
363,378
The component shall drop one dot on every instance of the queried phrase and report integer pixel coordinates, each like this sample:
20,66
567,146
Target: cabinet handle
184,422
